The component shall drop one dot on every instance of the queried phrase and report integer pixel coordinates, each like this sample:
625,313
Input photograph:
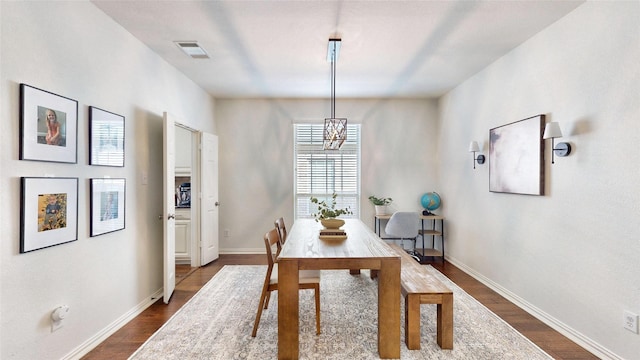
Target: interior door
169,207
209,203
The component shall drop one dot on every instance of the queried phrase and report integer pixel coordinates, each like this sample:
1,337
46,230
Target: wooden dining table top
303,242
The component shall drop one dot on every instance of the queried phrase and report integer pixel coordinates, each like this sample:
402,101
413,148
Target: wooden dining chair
309,279
282,232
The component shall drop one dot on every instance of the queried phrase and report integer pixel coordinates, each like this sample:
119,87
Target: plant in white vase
380,204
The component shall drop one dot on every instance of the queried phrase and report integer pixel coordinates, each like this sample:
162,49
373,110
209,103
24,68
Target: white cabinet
183,236
183,152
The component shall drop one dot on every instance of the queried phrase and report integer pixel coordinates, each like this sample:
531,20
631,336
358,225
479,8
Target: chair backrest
403,224
282,230
271,238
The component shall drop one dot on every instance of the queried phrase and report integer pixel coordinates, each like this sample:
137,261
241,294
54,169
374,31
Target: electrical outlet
630,321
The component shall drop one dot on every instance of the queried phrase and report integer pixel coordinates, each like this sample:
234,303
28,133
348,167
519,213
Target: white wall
256,163
73,49
573,254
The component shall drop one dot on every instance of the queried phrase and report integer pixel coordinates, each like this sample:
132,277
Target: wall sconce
474,148
552,130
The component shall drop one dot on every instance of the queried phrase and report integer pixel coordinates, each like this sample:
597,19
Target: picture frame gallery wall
49,205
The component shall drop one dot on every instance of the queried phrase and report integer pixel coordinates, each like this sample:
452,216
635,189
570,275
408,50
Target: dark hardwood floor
126,340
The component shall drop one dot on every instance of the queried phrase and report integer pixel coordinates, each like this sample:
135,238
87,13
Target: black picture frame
516,157
106,138
108,205
48,126
48,212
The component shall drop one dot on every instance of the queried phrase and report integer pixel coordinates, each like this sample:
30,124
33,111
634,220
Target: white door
209,203
169,207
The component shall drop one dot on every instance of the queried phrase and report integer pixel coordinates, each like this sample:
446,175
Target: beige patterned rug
217,322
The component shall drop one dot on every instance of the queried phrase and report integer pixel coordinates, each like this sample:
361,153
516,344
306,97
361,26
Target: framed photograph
516,157
48,126
106,138
48,212
107,205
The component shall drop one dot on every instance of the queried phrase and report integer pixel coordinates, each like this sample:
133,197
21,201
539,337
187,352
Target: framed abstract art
516,157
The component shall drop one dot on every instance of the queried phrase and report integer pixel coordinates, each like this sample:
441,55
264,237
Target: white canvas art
515,157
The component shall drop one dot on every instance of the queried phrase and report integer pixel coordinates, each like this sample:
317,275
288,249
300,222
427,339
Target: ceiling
279,48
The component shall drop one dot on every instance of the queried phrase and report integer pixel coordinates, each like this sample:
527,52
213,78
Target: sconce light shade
474,148
552,130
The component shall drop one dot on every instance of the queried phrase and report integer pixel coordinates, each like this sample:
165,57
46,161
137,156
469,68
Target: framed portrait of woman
48,126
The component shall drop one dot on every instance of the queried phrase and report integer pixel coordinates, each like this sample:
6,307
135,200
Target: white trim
102,335
243,251
574,335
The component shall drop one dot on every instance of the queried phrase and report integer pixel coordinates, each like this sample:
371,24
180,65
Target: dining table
362,249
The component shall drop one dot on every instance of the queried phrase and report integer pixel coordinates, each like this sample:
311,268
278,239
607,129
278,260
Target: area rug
217,322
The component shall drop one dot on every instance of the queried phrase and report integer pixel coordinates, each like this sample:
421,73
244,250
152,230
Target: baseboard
101,336
575,336
243,251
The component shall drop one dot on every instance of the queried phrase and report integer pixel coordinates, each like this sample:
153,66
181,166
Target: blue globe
430,201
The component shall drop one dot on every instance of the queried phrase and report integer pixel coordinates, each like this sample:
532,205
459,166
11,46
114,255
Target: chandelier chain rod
333,82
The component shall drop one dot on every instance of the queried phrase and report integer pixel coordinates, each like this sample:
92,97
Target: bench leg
445,322
373,273
412,321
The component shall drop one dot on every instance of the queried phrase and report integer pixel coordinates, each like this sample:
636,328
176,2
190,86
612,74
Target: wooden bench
420,287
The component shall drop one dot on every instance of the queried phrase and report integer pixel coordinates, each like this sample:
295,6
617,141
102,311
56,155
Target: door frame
196,188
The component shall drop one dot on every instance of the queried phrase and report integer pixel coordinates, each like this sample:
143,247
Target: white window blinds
320,173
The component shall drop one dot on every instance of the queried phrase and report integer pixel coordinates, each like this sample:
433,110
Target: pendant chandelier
335,129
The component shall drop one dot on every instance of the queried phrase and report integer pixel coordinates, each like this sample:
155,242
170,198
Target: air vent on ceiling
192,49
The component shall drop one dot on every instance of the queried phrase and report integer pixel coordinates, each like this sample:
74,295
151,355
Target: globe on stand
430,201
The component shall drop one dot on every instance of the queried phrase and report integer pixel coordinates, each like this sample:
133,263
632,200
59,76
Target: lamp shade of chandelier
335,129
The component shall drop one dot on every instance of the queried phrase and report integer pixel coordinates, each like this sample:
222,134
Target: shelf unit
434,233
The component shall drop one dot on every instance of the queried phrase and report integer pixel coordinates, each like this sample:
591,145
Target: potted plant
380,204
327,213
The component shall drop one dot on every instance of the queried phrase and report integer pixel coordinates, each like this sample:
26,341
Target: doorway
197,166
186,171
196,228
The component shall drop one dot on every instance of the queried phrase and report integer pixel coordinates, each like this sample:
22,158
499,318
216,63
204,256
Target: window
320,173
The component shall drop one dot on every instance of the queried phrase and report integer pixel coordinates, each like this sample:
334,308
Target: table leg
288,316
444,335
389,309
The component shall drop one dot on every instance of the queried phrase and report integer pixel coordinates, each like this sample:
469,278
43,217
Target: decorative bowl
332,223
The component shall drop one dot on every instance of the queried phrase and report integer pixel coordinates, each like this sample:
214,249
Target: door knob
217,204
171,216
